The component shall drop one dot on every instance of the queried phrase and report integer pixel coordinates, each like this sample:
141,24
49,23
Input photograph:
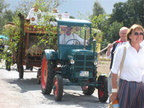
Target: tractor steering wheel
76,43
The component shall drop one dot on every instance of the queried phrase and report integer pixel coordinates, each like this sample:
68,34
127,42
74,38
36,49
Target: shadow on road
26,84
75,98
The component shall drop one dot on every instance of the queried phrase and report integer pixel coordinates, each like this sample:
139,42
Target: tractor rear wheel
47,75
39,76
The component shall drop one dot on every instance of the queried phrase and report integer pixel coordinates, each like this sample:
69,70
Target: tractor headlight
95,62
72,61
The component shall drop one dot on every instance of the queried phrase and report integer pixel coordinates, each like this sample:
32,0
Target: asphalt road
26,93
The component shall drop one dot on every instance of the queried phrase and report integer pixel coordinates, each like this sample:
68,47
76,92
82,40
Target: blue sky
73,7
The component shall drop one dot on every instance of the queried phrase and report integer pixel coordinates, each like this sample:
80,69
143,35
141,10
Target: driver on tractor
70,38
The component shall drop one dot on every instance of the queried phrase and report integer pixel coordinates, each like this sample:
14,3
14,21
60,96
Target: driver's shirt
71,39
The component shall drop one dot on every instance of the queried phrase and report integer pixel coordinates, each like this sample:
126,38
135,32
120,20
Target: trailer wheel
47,75
58,87
102,89
21,72
39,76
8,65
31,68
88,90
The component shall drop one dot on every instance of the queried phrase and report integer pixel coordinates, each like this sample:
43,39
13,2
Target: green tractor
75,61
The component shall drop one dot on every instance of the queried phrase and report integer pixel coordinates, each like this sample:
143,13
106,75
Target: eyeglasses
141,33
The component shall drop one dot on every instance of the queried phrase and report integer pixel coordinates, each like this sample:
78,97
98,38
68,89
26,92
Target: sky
74,7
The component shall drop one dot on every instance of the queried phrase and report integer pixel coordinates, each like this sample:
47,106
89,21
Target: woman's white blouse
133,67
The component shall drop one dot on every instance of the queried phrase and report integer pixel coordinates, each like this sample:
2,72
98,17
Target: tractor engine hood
79,52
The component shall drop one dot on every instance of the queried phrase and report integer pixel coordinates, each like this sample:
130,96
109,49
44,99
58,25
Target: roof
77,22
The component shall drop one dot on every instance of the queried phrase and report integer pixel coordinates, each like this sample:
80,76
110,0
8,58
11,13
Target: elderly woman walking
129,90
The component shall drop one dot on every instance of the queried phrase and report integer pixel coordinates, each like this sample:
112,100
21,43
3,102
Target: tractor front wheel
58,87
102,89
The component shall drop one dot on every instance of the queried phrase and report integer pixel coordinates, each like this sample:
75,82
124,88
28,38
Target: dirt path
9,96
103,67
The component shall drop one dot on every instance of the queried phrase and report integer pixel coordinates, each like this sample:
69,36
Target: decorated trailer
32,41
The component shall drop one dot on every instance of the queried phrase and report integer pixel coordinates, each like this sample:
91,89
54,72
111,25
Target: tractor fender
50,54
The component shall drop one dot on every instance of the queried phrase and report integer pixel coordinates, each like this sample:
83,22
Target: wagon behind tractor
29,46
76,63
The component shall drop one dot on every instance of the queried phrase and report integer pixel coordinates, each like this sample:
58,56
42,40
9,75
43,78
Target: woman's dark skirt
131,94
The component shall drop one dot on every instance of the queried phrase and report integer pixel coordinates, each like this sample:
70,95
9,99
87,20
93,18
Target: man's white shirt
73,37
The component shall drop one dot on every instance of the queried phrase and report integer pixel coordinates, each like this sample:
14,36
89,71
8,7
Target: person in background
34,15
70,38
8,62
53,19
1,48
113,46
129,91
55,10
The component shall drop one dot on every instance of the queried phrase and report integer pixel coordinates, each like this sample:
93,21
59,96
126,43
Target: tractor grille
84,63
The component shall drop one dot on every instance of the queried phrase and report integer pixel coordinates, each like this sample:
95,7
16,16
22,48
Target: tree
128,13
100,24
3,6
97,9
3,14
137,7
124,14
99,21
8,15
113,31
